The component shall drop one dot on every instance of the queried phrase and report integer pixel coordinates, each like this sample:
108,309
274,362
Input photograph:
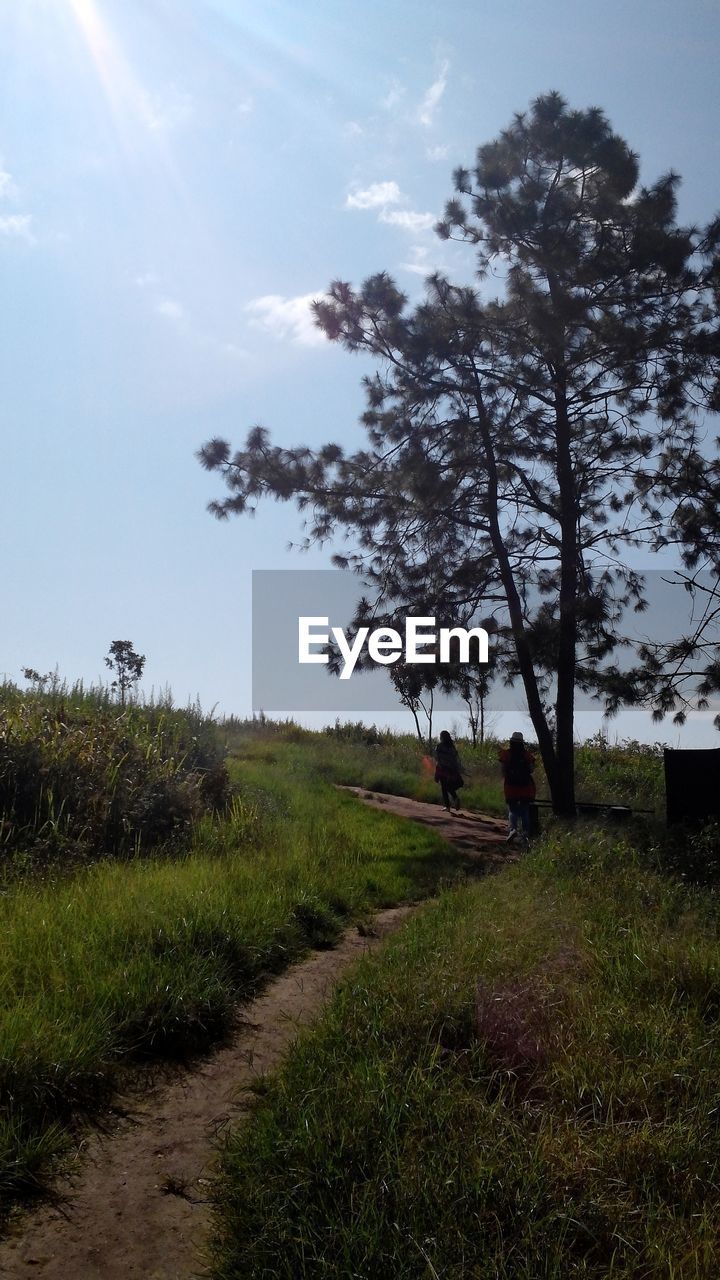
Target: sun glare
140,119
126,97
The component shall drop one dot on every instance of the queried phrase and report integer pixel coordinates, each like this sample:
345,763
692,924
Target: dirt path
476,834
136,1205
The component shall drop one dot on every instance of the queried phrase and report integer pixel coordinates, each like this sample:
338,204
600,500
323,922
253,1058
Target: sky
178,180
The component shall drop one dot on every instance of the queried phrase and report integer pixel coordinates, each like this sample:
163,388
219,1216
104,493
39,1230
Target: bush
76,777
356,731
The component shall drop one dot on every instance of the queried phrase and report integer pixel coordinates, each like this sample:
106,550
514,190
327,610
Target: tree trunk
472,720
514,604
417,726
563,788
429,713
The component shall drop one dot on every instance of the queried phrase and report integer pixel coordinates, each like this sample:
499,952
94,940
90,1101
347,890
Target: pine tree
515,442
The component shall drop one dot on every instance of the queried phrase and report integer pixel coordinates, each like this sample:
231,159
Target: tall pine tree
515,441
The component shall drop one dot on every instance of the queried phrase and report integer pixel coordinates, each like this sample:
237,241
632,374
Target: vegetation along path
137,1204
477,835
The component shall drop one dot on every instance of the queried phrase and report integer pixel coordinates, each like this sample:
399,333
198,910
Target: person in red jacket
517,767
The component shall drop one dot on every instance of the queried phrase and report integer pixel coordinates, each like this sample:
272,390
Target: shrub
79,777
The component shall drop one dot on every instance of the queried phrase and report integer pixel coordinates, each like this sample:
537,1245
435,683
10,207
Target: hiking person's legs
518,818
445,792
524,817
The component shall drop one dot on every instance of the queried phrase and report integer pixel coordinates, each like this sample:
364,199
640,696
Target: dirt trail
476,834
136,1204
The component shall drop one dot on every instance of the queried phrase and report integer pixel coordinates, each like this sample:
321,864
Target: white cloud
17,226
419,263
438,153
7,186
394,96
382,196
353,130
431,101
183,324
170,309
408,220
376,196
287,318
425,259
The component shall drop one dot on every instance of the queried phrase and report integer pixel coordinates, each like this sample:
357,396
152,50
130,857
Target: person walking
447,769
519,785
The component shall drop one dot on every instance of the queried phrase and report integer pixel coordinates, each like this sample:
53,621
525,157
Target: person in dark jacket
447,769
519,785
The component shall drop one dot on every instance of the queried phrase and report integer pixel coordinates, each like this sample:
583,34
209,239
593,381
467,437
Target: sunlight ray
126,97
136,118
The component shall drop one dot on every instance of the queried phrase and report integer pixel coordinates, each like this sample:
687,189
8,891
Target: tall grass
105,961
80,777
523,1084
149,956
358,755
627,773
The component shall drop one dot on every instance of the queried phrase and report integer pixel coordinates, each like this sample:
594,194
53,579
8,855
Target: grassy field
523,1084
126,958
626,773
156,866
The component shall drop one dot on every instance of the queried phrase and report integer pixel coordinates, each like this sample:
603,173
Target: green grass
628,773
523,1084
108,959
395,765
81,778
123,960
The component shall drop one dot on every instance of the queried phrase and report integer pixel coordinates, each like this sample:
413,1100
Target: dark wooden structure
692,784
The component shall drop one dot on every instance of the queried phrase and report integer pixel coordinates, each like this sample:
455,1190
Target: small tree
474,688
127,665
38,682
416,691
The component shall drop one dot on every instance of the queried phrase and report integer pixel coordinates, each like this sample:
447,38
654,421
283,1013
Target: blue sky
177,179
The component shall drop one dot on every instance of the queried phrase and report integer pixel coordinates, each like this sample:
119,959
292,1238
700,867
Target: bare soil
135,1203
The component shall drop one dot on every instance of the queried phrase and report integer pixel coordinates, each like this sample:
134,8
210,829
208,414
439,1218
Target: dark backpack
518,772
